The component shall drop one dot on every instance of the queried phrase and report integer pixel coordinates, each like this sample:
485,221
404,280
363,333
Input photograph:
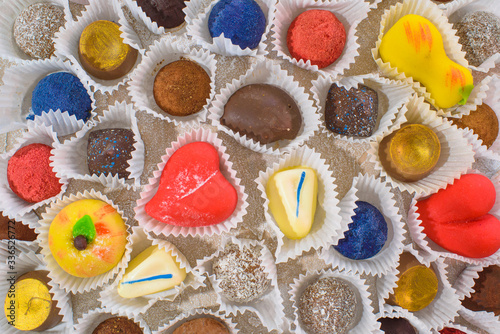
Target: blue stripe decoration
152,278
299,188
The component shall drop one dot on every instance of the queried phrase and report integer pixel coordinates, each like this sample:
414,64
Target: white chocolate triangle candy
292,197
154,270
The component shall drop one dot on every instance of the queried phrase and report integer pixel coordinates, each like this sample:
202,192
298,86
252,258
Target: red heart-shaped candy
192,190
457,219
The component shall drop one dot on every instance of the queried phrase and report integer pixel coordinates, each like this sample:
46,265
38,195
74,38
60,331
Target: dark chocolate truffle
181,88
262,112
351,112
483,121
109,151
13,229
479,34
328,306
396,326
204,325
118,325
486,295
240,273
166,13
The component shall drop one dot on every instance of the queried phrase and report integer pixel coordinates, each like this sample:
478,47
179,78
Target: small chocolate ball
80,242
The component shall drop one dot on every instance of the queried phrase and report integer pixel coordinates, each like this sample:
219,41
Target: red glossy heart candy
192,190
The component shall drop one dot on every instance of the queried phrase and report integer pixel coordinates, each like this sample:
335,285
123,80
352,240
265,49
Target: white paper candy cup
66,281
163,52
196,314
371,190
265,72
138,305
484,320
197,14
10,203
90,320
327,224
392,95
24,262
452,48
419,326
16,92
10,11
350,13
455,326
152,225
67,40
70,158
456,154
365,321
269,307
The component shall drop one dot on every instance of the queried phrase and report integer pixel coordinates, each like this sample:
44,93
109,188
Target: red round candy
448,330
30,176
316,35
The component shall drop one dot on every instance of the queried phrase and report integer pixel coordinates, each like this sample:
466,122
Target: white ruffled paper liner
10,11
440,311
66,281
369,189
420,238
30,219
225,165
266,72
456,153
197,14
430,11
27,261
138,305
70,158
269,307
395,93
349,12
328,225
454,326
419,326
365,321
90,320
15,97
456,11
10,203
196,314
161,53
67,40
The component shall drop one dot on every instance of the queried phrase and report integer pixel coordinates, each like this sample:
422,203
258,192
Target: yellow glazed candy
414,46
292,197
100,254
416,288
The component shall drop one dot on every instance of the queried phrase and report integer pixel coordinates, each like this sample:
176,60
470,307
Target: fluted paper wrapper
456,153
138,305
371,190
328,224
67,40
225,165
15,97
440,311
27,261
266,72
269,307
10,203
420,238
365,321
70,158
197,14
350,13
161,53
392,95
430,11
419,326
30,219
196,314
10,11
66,281
90,320
482,319
455,326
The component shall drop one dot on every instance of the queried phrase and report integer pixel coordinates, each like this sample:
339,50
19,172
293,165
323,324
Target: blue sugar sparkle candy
61,90
367,233
242,21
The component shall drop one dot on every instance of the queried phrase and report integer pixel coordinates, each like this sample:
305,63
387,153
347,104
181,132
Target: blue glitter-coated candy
62,91
367,233
242,21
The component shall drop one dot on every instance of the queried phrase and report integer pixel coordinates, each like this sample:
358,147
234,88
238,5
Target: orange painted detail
63,218
104,254
416,38
455,77
105,210
101,229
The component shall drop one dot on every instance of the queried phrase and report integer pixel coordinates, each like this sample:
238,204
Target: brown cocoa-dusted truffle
11,228
483,121
181,88
166,13
486,295
262,112
118,325
203,325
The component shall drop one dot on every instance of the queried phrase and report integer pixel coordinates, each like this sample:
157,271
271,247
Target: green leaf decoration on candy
85,226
